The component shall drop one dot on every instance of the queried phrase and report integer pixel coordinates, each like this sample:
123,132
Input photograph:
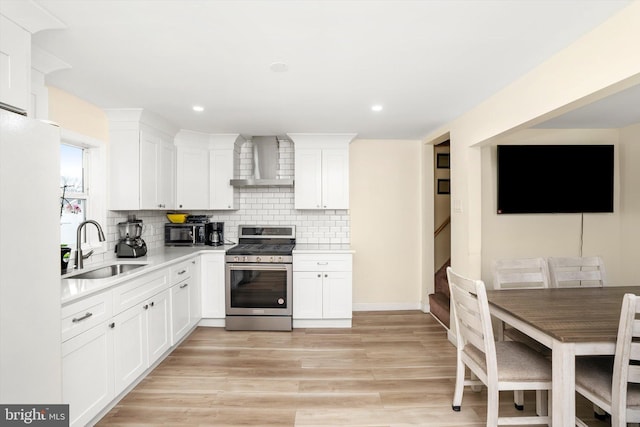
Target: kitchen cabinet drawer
322,262
83,315
182,271
140,289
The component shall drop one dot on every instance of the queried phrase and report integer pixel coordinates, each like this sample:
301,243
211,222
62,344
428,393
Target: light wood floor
390,369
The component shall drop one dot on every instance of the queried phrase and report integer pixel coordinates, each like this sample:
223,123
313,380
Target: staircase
439,299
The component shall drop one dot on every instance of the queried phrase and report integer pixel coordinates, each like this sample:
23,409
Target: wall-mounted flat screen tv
555,178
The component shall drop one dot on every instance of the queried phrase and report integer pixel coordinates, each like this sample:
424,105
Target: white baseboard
321,323
212,323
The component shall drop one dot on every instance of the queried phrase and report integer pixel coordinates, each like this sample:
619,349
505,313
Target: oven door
259,289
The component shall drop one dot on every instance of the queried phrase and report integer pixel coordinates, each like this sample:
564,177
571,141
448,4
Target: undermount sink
106,271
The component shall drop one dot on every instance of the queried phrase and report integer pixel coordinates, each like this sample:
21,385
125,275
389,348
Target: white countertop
322,248
73,289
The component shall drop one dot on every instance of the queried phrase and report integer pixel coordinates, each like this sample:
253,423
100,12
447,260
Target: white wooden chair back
521,273
626,367
522,368
470,310
577,271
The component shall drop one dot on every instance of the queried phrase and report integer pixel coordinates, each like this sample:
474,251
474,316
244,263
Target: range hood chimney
266,158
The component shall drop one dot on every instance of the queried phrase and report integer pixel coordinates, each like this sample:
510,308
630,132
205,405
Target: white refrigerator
30,348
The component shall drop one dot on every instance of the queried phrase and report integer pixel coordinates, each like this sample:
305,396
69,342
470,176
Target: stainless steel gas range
259,279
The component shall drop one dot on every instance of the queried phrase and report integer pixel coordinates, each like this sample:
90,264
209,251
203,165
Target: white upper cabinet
18,21
15,65
141,161
222,161
308,178
192,170
321,170
205,166
156,172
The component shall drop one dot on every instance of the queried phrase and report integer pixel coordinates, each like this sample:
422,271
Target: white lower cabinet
158,326
87,372
212,269
180,310
130,347
322,290
112,338
185,298
195,293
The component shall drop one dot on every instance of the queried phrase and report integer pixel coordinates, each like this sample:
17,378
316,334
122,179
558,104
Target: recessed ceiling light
279,67
198,108
376,107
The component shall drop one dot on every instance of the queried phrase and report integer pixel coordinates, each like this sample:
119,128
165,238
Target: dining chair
577,272
521,273
502,365
614,383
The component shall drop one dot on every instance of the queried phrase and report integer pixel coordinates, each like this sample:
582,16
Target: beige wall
385,206
601,62
75,114
544,235
629,159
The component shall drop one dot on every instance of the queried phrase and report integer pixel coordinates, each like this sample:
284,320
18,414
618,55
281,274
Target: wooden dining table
571,322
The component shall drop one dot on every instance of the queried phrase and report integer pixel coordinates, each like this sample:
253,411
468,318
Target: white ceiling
426,62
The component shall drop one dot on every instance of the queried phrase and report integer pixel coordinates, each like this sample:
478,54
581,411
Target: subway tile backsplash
261,206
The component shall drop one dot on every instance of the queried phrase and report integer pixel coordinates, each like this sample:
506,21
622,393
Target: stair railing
442,226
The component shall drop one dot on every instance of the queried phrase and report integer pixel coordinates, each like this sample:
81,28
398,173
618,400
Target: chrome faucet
79,255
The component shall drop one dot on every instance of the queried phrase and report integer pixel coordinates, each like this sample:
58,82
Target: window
73,198
82,188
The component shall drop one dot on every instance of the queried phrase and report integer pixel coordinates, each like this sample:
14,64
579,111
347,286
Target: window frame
95,185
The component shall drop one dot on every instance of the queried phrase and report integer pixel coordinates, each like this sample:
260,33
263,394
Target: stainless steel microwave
187,234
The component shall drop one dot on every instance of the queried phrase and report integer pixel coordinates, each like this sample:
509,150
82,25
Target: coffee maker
131,244
214,233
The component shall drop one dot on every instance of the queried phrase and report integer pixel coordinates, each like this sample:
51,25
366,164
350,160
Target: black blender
131,244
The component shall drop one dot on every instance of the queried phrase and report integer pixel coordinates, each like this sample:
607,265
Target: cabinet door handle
146,306
323,263
184,286
80,319
152,303
319,275
112,325
181,272
326,275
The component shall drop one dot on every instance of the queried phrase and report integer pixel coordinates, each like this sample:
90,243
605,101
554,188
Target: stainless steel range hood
265,165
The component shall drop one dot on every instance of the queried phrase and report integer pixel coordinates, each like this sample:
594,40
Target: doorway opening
439,299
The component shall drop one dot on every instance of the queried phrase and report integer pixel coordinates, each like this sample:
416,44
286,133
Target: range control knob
271,259
246,259
258,259
280,259
236,259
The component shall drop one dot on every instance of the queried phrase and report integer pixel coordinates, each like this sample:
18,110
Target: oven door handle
263,267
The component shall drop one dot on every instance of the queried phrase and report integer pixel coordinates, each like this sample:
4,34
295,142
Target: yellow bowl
177,218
